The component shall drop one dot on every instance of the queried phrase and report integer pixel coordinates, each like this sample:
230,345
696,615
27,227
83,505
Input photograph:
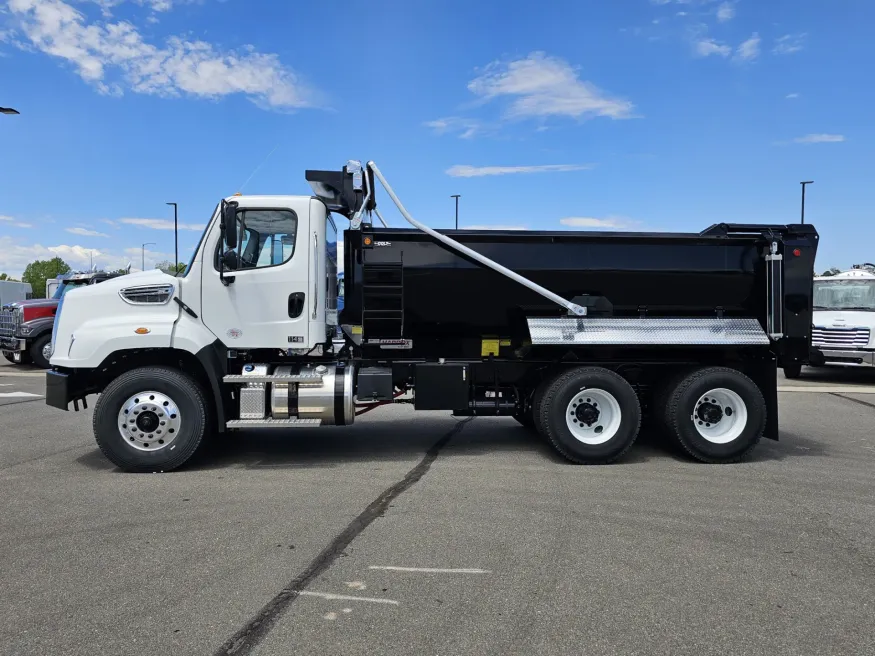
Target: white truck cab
277,290
843,331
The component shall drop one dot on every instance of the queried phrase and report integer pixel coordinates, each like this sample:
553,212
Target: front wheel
590,415
40,351
151,419
716,414
792,370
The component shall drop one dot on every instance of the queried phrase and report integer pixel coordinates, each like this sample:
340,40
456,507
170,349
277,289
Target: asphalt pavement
415,533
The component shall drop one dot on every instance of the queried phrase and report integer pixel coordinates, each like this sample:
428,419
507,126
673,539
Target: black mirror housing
229,224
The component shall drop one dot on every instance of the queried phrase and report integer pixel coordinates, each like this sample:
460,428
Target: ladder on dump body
383,300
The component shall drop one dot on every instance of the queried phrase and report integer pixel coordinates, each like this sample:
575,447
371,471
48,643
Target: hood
34,302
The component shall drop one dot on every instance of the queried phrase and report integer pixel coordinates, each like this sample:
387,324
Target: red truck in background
26,326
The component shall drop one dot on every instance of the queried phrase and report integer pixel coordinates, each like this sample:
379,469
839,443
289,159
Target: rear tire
716,414
36,352
590,415
169,420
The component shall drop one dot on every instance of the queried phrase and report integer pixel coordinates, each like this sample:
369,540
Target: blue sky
665,115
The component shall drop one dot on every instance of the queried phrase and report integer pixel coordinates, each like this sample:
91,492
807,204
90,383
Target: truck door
267,301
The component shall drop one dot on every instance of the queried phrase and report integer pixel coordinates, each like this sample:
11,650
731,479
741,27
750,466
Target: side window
267,238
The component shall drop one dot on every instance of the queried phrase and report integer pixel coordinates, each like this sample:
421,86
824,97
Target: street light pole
8,110
457,196
148,243
175,240
807,182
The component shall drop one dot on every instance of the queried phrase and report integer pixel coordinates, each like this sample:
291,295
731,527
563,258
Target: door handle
296,304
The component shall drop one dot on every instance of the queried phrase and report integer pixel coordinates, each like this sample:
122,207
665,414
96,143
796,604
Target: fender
31,330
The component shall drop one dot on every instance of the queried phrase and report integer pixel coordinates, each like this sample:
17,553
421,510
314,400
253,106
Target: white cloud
819,138
791,96
494,227
114,57
466,171
749,50
161,224
14,223
465,127
789,44
615,222
14,256
540,86
708,47
725,12
85,232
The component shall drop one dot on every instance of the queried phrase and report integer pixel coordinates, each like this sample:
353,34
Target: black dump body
401,283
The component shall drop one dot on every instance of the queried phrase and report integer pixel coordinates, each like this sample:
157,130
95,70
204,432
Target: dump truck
579,336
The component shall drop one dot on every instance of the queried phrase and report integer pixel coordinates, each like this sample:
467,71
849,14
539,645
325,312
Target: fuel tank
403,283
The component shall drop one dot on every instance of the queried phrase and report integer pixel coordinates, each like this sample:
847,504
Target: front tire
151,419
590,415
792,370
36,351
716,414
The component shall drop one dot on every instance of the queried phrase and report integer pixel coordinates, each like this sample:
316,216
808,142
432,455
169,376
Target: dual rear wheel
592,415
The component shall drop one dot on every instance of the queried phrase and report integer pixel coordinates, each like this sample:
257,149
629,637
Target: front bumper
842,357
13,344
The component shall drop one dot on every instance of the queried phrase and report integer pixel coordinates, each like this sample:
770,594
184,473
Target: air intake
147,294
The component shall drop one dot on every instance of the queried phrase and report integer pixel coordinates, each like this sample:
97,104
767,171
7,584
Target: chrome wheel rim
47,351
720,416
593,416
149,421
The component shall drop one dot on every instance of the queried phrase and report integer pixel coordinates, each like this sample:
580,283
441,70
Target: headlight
24,330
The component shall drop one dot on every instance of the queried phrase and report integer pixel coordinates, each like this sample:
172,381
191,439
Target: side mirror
229,224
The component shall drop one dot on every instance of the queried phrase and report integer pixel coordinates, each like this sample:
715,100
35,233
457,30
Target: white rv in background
843,332
11,291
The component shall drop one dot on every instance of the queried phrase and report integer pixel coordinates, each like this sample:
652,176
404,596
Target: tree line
36,273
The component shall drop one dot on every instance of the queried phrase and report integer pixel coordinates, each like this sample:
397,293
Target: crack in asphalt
248,637
848,398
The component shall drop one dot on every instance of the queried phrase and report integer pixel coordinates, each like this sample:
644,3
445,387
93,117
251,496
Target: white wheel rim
47,351
149,421
593,416
720,416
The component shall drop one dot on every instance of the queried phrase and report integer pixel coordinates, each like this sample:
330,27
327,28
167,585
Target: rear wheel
39,351
151,419
590,415
716,414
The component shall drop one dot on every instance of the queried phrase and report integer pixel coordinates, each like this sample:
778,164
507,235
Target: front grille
838,337
8,322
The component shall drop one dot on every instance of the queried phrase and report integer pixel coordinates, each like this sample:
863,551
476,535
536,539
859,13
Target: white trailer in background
11,291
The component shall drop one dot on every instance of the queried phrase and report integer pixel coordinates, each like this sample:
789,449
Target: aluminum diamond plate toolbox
632,331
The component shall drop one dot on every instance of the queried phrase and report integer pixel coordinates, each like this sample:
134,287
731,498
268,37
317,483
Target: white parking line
829,390
22,374
430,570
15,395
336,597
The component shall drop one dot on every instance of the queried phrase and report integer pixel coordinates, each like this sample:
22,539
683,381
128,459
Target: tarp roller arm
573,308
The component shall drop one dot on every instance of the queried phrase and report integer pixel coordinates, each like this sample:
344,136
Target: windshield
66,286
852,294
